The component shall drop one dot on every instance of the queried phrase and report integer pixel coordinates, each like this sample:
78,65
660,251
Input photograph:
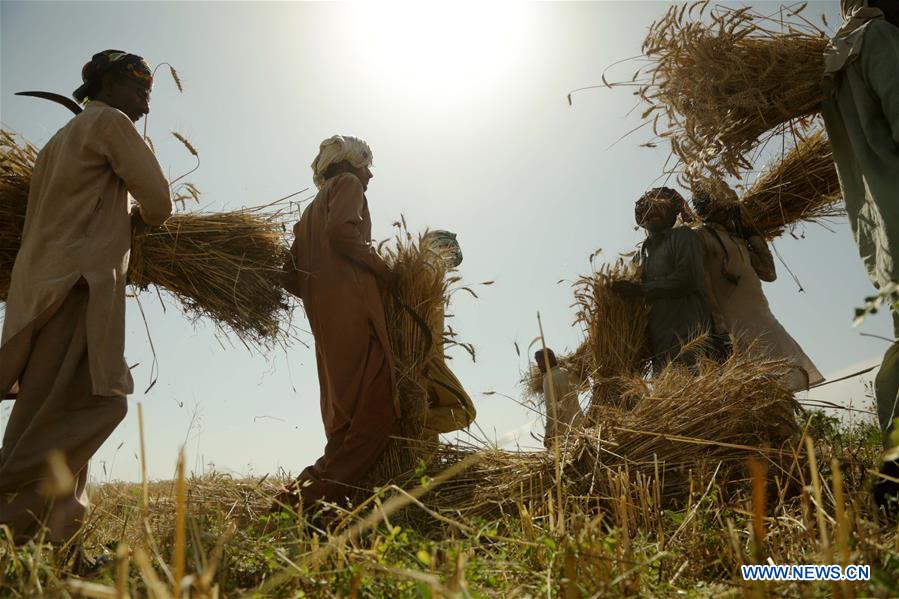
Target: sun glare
444,51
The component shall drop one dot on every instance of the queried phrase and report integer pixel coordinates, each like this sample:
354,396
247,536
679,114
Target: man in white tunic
735,266
64,329
563,411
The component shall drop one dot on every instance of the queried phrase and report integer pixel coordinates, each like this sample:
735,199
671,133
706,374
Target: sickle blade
58,98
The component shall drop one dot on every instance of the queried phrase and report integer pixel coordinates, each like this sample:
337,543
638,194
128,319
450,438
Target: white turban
337,149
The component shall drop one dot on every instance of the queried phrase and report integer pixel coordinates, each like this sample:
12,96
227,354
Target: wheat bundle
414,312
16,162
803,186
225,266
717,418
718,84
615,328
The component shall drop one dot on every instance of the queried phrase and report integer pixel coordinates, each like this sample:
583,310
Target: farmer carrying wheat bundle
861,113
563,411
673,282
735,266
336,272
64,330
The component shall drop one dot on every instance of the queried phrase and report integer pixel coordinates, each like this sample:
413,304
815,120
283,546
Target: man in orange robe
336,272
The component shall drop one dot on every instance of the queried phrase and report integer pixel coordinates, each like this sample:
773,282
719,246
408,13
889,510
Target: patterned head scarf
130,66
708,192
446,244
846,46
336,149
671,197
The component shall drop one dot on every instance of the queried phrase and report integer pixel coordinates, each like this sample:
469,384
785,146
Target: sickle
58,98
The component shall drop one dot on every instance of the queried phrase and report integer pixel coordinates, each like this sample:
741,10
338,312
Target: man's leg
351,452
886,391
55,411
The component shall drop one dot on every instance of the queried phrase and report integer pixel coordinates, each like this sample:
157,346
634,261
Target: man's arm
880,65
133,161
342,227
687,275
290,279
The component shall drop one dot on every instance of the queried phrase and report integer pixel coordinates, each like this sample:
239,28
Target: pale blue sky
464,107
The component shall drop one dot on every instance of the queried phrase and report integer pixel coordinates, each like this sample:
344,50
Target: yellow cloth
449,406
78,225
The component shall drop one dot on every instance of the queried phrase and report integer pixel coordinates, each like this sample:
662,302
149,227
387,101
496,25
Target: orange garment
334,271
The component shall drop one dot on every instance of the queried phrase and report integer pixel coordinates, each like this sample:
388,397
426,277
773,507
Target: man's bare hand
137,223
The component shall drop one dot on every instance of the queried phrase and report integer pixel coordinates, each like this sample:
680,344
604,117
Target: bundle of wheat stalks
16,162
721,78
414,312
717,418
803,186
225,266
615,329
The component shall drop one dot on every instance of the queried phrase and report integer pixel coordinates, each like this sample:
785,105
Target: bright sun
443,50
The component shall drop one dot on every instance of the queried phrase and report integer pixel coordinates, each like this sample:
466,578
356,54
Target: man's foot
886,492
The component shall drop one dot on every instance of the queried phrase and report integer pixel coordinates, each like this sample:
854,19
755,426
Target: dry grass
678,423
722,78
224,266
803,186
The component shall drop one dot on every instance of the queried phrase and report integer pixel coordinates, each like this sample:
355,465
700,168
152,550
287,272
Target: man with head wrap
735,267
64,329
861,113
673,281
449,407
336,272
560,399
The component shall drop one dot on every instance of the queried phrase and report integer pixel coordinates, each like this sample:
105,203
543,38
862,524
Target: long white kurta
744,307
78,225
567,410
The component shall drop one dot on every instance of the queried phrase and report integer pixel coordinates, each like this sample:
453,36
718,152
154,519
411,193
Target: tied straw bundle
803,186
616,343
616,329
16,163
423,288
716,86
224,266
716,419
